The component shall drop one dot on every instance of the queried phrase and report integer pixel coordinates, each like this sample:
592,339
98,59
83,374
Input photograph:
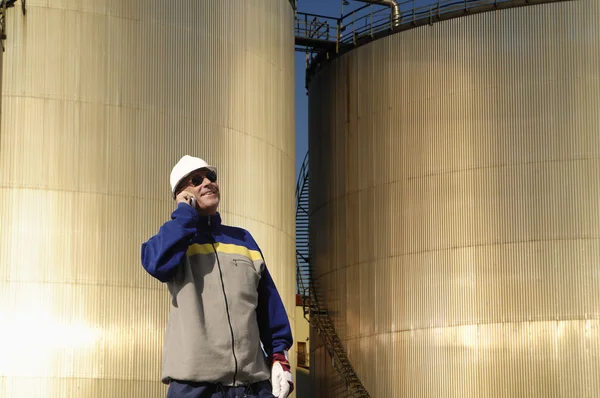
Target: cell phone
193,202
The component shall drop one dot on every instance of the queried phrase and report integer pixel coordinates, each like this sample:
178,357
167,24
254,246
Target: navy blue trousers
181,389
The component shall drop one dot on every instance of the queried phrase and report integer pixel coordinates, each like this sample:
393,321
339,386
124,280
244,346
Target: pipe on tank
392,4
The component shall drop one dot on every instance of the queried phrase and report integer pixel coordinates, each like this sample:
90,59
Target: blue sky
322,7
331,8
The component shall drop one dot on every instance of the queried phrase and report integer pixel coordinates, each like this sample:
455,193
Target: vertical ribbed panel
455,176
99,100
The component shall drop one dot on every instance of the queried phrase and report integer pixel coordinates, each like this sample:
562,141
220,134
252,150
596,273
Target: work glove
281,375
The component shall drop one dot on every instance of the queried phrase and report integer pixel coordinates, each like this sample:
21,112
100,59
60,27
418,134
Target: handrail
314,311
372,21
313,28
303,276
301,175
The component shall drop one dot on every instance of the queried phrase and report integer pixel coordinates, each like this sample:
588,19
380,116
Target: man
225,308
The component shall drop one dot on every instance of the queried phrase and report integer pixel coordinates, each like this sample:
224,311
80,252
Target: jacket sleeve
162,253
273,322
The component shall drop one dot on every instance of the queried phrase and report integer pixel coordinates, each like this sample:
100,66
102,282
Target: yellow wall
100,98
455,195
302,331
302,334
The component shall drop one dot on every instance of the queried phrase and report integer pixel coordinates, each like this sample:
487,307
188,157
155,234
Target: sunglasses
198,179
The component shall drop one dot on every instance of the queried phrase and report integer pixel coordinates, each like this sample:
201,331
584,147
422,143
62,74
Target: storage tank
454,194
100,99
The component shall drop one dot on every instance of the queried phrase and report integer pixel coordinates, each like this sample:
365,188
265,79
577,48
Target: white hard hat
184,167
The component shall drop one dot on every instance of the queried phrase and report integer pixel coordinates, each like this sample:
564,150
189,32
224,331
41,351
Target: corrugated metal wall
455,198
99,100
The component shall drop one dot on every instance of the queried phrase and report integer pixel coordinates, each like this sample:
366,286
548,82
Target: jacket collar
209,223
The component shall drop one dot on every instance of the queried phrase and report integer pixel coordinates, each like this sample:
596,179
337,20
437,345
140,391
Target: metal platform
324,37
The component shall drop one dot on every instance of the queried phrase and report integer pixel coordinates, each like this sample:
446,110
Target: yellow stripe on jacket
227,248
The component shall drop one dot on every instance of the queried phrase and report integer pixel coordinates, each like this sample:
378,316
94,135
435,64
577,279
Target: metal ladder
318,316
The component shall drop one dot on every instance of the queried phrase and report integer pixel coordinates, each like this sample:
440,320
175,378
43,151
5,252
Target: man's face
203,184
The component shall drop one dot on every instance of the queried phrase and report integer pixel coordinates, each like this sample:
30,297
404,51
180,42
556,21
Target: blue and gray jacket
223,301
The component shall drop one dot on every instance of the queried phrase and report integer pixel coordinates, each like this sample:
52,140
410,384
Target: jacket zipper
226,309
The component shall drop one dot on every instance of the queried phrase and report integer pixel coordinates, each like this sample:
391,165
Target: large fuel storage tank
455,218
99,100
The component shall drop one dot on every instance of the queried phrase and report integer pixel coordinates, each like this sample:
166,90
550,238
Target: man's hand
281,376
186,197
